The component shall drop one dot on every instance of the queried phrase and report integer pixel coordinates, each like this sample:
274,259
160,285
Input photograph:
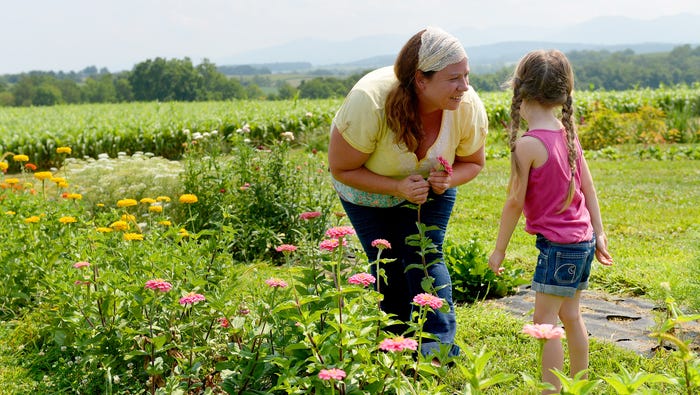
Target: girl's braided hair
547,78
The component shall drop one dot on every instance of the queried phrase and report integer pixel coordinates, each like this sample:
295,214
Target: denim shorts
562,269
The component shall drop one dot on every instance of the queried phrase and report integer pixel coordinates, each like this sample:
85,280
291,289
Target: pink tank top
547,188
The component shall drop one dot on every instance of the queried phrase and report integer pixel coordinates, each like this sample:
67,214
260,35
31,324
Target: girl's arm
588,189
527,151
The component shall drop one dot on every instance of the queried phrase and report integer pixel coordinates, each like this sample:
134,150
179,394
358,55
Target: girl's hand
601,250
439,181
495,261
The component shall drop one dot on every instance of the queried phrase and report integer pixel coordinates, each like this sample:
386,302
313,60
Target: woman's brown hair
401,108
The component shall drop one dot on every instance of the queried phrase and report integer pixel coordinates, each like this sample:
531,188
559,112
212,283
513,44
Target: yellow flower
20,158
32,220
67,220
133,236
63,184
147,200
188,198
10,212
58,180
155,209
42,175
63,150
100,204
119,225
3,166
12,181
165,222
104,229
127,203
183,232
163,199
74,196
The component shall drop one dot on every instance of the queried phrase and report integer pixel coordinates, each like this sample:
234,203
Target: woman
403,137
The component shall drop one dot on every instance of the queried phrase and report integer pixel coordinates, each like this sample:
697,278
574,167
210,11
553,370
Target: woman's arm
347,166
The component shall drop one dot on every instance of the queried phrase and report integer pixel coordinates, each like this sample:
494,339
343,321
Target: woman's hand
414,189
439,181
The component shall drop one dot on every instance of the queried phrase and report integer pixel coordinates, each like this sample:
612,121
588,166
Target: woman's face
444,90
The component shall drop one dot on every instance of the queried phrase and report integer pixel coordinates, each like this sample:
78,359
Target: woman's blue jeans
394,224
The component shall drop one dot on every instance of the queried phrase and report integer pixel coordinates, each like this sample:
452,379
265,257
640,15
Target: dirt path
625,321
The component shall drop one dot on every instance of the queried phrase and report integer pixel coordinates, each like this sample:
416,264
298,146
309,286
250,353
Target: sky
69,35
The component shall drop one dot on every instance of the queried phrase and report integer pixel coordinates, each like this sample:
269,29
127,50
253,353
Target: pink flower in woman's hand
428,300
331,374
276,283
363,279
158,284
398,344
340,232
381,244
544,331
192,298
446,166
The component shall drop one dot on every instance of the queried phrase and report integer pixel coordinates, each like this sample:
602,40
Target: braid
567,118
513,133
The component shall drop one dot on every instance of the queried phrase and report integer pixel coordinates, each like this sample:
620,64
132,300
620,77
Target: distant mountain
492,48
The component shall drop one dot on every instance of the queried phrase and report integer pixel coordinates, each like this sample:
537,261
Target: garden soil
625,321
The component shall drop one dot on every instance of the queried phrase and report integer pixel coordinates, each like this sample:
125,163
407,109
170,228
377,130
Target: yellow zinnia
32,220
104,229
127,203
20,158
42,175
165,222
163,199
155,209
119,225
58,180
12,181
63,150
10,212
188,198
128,218
3,166
133,236
67,220
74,196
147,200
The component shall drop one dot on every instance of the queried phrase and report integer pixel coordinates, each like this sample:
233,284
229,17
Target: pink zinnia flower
276,283
331,244
309,215
78,265
286,248
223,321
192,298
544,331
446,166
363,279
340,232
428,300
244,186
331,374
159,284
398,344
381,244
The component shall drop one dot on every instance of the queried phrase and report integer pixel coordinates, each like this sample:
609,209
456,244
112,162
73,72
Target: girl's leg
576,333
547,312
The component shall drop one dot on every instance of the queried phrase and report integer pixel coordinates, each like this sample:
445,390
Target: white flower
289,136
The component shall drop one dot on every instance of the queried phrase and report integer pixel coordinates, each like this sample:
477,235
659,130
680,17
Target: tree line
162,79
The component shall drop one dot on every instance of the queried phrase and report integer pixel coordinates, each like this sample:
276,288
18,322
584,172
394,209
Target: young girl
551,185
